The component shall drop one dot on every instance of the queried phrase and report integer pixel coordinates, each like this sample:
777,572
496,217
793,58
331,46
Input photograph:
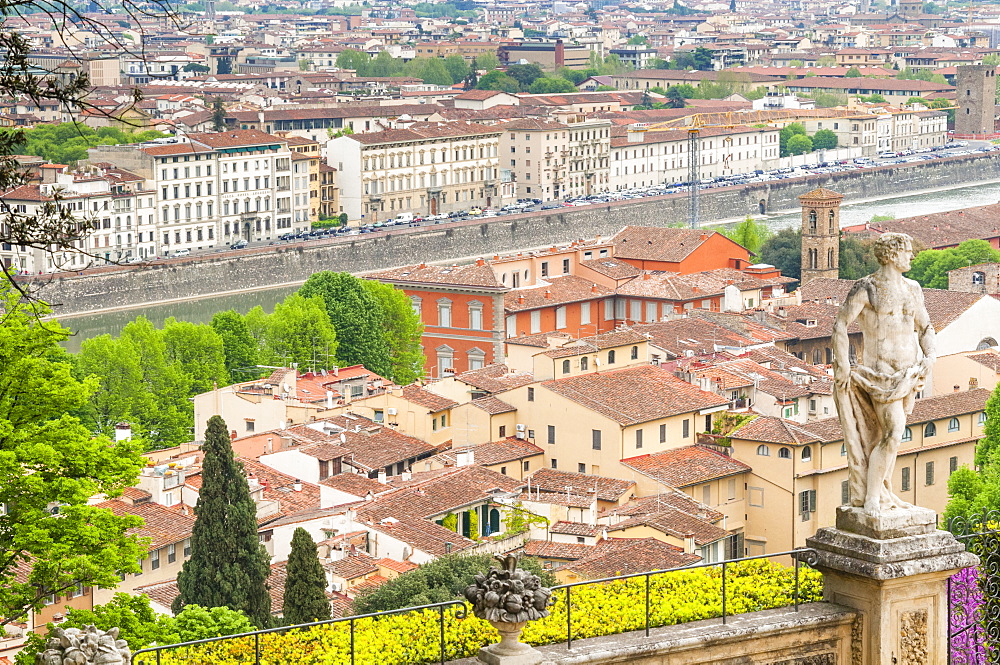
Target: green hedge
597,610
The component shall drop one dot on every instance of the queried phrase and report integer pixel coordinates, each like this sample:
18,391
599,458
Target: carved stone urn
508,598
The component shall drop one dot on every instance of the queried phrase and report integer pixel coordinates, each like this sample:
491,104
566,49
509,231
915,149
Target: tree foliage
238,346
783,250
435,582
857,258
497,80
749,233
140,626
930,267
799,144
971,492
298,332
49,459
305,583
67,143
824,139
550,85
228,565
402,329
356,316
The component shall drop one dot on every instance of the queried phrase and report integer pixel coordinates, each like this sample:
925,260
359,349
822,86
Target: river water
202,310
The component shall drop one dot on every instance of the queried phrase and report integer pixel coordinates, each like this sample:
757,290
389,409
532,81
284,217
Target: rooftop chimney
297,485
593,288
703,237
520,299
382,476
548,294
480,262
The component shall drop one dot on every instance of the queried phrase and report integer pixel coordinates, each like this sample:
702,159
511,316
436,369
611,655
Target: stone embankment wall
227,272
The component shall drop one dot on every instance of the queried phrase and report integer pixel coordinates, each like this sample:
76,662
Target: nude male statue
874,397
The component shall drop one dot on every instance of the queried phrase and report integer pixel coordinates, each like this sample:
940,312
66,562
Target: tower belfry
820,234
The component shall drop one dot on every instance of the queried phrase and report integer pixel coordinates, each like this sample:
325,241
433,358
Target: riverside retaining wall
225,272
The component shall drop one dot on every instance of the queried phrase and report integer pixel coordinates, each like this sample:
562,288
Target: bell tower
820,234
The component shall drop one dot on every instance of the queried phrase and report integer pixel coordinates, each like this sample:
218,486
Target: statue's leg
882,461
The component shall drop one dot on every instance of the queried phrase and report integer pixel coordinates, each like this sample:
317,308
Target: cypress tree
228,565
305,584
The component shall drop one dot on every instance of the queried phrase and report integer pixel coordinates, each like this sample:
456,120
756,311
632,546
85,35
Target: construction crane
694,123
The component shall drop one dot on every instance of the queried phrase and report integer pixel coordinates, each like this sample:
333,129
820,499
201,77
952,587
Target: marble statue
874,396
86,646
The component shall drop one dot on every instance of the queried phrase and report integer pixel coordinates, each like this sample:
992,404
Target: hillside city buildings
655,396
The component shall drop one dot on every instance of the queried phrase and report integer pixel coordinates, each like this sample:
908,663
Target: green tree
990,443
497,80
218,115
299,331
873,99
547,85
930,267
353,59
785,135
638,40
973,492
783,250
305,584
170,422
750,234
457,68
574,76
675,98
119,394
799,144
48,458
856,257
238,345
436,72
826,100
702,58
438,581
356,317
228,565
525,75
824,139
198,351
853,73
487,61
402,329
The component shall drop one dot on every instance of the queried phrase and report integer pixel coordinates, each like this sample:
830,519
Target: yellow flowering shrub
597,610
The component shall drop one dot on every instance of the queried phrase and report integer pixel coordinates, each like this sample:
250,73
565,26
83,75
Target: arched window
986,343
978,278
843,450
784,453
907,434
763,450
982,417
833,222
813,259
565,367
812,222
635,353
584,363
930,430
829,258
953,425
817,356
807,453
611,357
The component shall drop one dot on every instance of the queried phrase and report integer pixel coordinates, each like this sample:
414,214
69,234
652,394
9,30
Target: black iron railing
211,650
974,593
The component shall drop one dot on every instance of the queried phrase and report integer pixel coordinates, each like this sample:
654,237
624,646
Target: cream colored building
426,168
800,470
536,151
588,153
642,158
966,371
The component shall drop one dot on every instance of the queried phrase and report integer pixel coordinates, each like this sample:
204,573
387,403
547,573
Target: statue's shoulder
865,285
914,286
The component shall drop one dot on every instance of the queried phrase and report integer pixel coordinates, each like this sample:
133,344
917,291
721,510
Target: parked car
181,252
239,244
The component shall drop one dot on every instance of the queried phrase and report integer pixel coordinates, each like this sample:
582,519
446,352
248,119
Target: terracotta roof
279,487
612,267
687,466
495,378
352,567
493,405
161,525
464,275
622,556
771,429
943,229
554,291
397,566
821,194
656,503
547,549
235,138
509,449
433,402
651,243
579,484
354,484
371,446
574,529
989,359
676,523
425,131
635,395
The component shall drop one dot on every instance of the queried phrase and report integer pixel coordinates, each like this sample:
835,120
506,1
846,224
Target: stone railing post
509,598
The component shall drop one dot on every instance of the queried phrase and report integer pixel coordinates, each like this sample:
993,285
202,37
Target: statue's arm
849,311
923,327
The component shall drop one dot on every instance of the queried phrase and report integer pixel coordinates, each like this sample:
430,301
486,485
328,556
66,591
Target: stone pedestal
509,650
894,570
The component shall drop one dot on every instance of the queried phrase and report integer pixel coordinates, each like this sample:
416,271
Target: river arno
202,310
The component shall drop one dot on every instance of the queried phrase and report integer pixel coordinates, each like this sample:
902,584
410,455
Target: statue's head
895,248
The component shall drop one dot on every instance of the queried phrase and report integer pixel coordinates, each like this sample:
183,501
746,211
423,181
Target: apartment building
215,188
641,158
536,151
426,168
588,150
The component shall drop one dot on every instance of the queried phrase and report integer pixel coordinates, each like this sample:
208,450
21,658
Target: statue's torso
887,324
